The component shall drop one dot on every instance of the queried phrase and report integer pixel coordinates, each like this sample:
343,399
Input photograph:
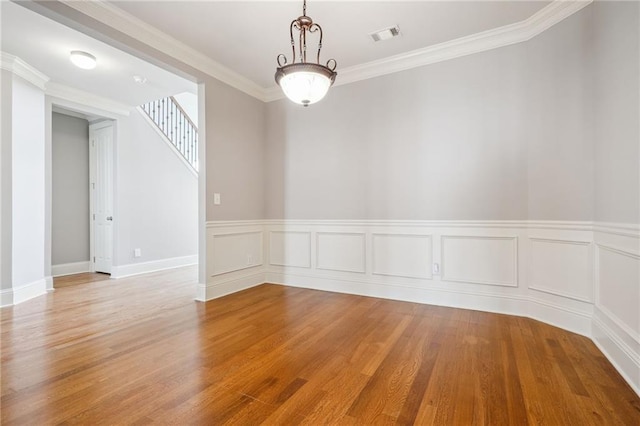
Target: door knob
109,217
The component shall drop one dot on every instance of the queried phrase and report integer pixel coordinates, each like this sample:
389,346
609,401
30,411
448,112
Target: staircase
175,124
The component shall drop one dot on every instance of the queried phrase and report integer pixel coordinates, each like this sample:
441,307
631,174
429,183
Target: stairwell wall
157,201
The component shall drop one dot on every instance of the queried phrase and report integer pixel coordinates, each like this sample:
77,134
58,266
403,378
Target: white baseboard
573,320
6,297
218,288
49,283
122,271
25,292
487,302
617,349
70,268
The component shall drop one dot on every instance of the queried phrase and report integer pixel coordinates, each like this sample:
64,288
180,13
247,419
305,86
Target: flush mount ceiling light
83,60
304,82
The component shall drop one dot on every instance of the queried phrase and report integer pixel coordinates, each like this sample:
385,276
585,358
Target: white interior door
101,186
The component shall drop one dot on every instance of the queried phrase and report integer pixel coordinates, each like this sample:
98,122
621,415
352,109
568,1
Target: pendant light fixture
305,82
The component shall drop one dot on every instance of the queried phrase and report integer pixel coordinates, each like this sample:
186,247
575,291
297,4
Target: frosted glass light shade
83,60
305,88
304,83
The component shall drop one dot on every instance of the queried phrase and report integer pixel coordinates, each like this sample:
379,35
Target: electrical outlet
137,252
435,269
249,259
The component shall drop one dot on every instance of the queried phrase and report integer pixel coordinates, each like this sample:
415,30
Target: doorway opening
82,192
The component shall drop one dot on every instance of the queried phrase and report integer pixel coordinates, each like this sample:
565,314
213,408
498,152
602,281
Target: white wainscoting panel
341,251
234,251
618,287
561,267
290,248
402,255
480,260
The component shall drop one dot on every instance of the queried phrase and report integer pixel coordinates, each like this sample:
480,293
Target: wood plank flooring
140,350
75,279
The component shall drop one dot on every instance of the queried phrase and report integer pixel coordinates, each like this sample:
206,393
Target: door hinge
94,259
94,217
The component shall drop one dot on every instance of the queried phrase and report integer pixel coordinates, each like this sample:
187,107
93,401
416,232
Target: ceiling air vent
385,34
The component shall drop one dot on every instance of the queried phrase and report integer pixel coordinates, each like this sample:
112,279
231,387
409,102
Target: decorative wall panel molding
480,260
290,248
402,255
235,251
562,268
341,251
618,288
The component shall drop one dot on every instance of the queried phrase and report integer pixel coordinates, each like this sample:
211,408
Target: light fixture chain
304,44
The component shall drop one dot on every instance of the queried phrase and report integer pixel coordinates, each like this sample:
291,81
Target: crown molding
545,18
22,69
81,97
128,24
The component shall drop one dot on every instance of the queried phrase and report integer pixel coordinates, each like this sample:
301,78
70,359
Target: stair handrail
183,112
175,124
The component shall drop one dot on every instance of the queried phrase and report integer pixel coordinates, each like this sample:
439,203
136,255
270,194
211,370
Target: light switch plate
216,198
435,268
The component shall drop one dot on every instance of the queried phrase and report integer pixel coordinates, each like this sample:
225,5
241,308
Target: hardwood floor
140,350
84,278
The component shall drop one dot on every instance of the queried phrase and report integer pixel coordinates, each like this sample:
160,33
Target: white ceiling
247,36
45,45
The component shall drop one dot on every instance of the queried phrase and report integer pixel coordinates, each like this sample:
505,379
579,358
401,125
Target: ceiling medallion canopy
305,82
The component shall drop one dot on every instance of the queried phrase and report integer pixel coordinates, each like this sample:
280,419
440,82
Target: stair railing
176,125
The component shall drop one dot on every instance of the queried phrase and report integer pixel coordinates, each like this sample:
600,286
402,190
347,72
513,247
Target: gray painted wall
157,196
617,110
70,189
235,124
438,142
559,121
500,135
